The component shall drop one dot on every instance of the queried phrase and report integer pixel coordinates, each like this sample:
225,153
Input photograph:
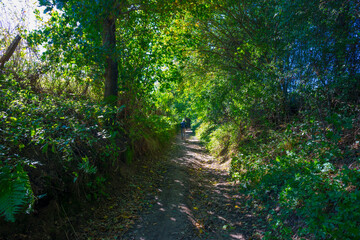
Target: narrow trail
184,195
196,201
170,217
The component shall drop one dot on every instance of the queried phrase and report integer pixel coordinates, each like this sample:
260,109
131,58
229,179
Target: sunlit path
196,201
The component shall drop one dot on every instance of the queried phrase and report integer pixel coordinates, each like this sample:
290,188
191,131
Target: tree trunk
111,65
9,51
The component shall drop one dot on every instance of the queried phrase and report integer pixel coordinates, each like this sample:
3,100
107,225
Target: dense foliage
274,87
58,136
64,144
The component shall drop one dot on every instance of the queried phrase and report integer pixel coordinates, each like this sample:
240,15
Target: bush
57,144
204,131
224,140
295,176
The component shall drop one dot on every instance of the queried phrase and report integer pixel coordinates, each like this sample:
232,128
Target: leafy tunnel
270,86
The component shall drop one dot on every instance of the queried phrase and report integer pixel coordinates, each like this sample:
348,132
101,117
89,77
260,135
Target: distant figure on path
188,123
183,126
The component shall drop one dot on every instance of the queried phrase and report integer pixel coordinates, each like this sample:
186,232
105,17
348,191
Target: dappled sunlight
198,196
178,181
223,212
192,140
170,216
237,236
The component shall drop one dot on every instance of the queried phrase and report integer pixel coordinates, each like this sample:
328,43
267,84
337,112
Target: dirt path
170,217
196,201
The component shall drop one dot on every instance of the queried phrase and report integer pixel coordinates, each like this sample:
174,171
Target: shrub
58,144
224,140
294,175
204,131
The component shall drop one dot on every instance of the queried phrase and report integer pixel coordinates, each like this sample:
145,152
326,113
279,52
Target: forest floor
186,195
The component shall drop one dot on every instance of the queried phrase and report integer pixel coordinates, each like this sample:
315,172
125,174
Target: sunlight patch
237,236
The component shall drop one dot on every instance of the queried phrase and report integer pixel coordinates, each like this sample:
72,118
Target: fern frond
15,191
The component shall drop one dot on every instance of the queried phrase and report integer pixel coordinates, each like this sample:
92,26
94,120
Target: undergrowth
221,140
305,175
52,146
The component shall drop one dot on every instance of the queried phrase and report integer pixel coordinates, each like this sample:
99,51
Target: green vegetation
277,91
272,86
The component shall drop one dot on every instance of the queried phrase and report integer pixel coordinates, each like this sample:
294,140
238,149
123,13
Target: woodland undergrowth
58,147
303,174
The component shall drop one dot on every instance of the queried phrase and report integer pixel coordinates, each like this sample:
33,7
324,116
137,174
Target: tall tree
111,65
88,20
